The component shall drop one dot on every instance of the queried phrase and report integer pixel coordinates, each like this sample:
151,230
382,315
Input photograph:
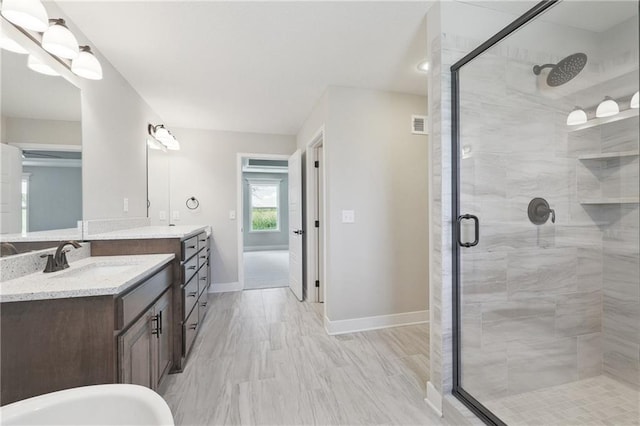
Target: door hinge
316,164
317,283
317,224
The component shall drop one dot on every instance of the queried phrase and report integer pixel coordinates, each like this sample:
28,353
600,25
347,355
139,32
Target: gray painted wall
55,197
254,241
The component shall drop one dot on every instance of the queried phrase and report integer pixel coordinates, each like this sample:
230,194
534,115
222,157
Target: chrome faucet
58,262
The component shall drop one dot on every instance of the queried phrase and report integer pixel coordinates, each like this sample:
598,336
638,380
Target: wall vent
419,124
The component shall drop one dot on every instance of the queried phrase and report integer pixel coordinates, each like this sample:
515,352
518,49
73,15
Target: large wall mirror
41,137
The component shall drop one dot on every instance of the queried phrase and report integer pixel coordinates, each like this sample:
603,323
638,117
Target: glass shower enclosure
546,245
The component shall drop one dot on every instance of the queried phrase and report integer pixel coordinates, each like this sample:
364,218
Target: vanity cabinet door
164,335
136,352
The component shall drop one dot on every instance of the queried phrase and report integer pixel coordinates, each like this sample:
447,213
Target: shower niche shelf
608,155
619,200
623,115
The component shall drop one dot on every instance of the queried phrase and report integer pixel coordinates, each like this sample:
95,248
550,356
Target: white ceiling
28,94
254,66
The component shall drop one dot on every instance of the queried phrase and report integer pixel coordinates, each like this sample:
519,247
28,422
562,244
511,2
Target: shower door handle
476,223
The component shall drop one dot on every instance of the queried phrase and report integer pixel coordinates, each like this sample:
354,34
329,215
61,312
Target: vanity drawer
190,296
189,268
203,278
131,304
203,241
189,247
203,257
190,331
203,306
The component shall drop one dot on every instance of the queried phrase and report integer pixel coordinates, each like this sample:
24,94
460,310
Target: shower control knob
539,211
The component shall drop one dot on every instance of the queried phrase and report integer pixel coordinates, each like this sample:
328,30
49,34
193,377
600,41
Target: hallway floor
266,269
262,357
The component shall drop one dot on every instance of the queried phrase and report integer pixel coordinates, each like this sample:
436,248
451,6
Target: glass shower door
547,251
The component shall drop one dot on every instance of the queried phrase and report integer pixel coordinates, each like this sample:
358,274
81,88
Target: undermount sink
97,269
117,404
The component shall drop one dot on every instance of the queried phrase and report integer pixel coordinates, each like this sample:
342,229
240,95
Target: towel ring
192,203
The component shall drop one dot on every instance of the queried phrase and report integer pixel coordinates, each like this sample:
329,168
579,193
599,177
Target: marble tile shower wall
554,303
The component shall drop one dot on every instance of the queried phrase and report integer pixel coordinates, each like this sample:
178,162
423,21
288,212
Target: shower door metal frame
465,397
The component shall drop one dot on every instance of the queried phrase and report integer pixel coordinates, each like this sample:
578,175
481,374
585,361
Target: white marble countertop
84,278
146,232
53,235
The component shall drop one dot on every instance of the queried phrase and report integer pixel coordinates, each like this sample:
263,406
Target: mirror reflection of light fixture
38,66
87,65
10,45
163,136
59,41
28,14
607,108
635,101
577,116
152,143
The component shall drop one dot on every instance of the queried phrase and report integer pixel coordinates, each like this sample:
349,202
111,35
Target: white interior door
10,191
295,224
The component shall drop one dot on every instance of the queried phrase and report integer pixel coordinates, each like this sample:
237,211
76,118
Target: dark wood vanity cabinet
144,349
54,344
191,281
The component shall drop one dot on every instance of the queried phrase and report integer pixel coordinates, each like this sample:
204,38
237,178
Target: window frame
276,183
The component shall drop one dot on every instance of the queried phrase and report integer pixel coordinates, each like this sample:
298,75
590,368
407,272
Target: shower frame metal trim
465,397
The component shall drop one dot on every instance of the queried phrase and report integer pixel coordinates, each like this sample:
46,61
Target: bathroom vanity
88,324
191,246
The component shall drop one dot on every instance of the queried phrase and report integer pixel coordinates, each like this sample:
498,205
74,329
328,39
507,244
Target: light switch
125,205
162,215
348,216
232,215
175,215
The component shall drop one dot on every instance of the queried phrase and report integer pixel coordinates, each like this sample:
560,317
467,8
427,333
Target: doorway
264,222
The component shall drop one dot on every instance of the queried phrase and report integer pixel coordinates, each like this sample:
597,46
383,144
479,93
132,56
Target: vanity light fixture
577,116
59,41
87,65
164,136
28,14
38,66
607,108
635,101
423,66
152,143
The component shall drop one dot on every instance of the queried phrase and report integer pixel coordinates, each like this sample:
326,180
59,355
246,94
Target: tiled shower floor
595,401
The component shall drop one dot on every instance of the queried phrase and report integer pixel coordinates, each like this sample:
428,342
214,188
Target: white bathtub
90,405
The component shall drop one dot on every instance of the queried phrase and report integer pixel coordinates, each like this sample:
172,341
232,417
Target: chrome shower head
564,70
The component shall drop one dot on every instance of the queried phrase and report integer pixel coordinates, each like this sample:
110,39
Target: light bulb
607,108
59,41
577,116
635,101
36,65
28,14
423,66
87,65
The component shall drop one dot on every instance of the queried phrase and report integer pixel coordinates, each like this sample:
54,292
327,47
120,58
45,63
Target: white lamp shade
635,101
36,65
423,66
577,116
607,108
86,65
172,144
154,144
59,41
28,14
166,138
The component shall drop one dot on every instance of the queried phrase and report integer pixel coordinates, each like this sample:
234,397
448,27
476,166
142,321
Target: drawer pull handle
191,247
203,257
191,267
204,304
155,328
192,294
203,279
193,326
203,241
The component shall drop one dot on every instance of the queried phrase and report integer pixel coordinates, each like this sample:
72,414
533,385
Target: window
25,202
265,207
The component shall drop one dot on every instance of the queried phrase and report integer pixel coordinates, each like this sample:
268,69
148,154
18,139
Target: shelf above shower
623,115
608,155
613,200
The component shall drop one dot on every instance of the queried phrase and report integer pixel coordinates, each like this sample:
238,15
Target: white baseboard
434,399
225,287
266,248
373,323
